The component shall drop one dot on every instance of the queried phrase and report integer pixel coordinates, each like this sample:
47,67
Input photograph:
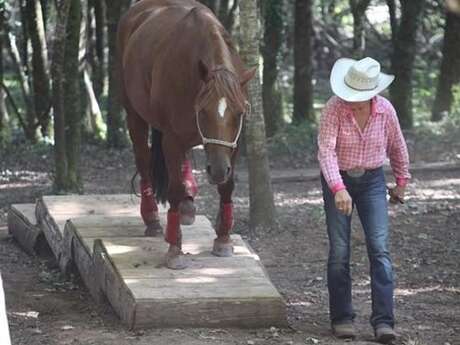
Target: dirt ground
44,308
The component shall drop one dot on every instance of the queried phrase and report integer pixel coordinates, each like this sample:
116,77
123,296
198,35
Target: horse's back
155,45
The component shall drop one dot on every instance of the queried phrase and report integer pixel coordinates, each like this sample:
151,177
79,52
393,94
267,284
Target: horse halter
229,144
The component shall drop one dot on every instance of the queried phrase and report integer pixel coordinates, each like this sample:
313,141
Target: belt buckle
356,172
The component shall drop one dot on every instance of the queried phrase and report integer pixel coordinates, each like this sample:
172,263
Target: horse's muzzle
218,174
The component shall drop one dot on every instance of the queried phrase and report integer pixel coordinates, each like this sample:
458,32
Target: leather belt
356,172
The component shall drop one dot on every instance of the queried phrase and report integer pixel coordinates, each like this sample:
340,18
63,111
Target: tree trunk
227,13
273,35
97,8
223,11
303,88
450,67
41,82
358,10
3,110
95,121
116,127
23,42
73,113
57,72
393,19
403,60
30,121
262,207
212,4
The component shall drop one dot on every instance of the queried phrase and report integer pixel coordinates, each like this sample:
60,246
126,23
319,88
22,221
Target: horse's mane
223,83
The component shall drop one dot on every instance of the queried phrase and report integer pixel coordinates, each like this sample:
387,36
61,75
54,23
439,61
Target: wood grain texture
103,236
54,234
22,224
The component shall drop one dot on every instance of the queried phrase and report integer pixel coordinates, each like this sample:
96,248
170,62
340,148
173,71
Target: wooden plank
82,257
216,313
104,238
4,329
80,205
115,289
53,234
263,307
22,224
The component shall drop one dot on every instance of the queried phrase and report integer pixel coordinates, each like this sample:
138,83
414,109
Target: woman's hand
397,194
343,202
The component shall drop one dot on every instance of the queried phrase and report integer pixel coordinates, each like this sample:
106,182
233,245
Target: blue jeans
368,193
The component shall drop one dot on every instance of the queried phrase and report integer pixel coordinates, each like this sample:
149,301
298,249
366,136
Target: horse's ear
204,70
247,76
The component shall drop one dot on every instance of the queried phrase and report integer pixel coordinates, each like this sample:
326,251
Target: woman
359,129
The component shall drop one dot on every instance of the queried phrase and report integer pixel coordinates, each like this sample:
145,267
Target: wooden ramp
102,235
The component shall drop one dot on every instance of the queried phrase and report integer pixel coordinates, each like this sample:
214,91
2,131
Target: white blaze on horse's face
222,107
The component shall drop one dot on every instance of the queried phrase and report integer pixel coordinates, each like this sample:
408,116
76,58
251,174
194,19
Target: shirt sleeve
397,150
327,141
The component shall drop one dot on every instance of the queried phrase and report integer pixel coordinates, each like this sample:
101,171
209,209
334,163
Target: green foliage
456,103
295,141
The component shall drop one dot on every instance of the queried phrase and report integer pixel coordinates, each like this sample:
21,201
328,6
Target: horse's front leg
139,133
223,245
187,207
174,157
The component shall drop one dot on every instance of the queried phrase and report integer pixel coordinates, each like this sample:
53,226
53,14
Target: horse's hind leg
139,133
223,245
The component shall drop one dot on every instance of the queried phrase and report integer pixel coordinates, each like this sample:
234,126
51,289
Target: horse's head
221,108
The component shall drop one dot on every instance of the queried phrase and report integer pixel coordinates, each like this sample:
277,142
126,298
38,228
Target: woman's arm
397,150
327,140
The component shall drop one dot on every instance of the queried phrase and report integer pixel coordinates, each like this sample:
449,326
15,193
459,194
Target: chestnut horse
181,76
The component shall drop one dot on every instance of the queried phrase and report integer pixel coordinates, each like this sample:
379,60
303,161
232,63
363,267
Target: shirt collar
376,107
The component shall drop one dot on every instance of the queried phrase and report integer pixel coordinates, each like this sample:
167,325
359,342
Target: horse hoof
223,250
176,261
187,212
153,229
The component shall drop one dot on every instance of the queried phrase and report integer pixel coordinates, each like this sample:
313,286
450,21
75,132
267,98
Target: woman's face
359,106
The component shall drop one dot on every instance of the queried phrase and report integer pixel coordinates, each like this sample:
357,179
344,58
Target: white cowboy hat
358,81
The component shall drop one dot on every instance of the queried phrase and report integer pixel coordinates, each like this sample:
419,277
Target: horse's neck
221,55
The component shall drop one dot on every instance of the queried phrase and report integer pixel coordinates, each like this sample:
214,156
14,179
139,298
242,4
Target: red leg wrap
191,187
226,223
173,228
149,208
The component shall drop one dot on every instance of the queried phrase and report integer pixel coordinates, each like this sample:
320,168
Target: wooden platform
102,235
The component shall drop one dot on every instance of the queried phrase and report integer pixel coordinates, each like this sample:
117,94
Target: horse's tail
159,171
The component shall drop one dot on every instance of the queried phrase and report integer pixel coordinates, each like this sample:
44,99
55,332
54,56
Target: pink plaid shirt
343,146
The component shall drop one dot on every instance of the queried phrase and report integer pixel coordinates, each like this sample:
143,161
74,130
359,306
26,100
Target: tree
57,73
450,67
212,4
41,82
96,10
303,88
72,109
262,207
29,124
403,60
3,110
273,36
227,13
116,126
393,19
358,10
